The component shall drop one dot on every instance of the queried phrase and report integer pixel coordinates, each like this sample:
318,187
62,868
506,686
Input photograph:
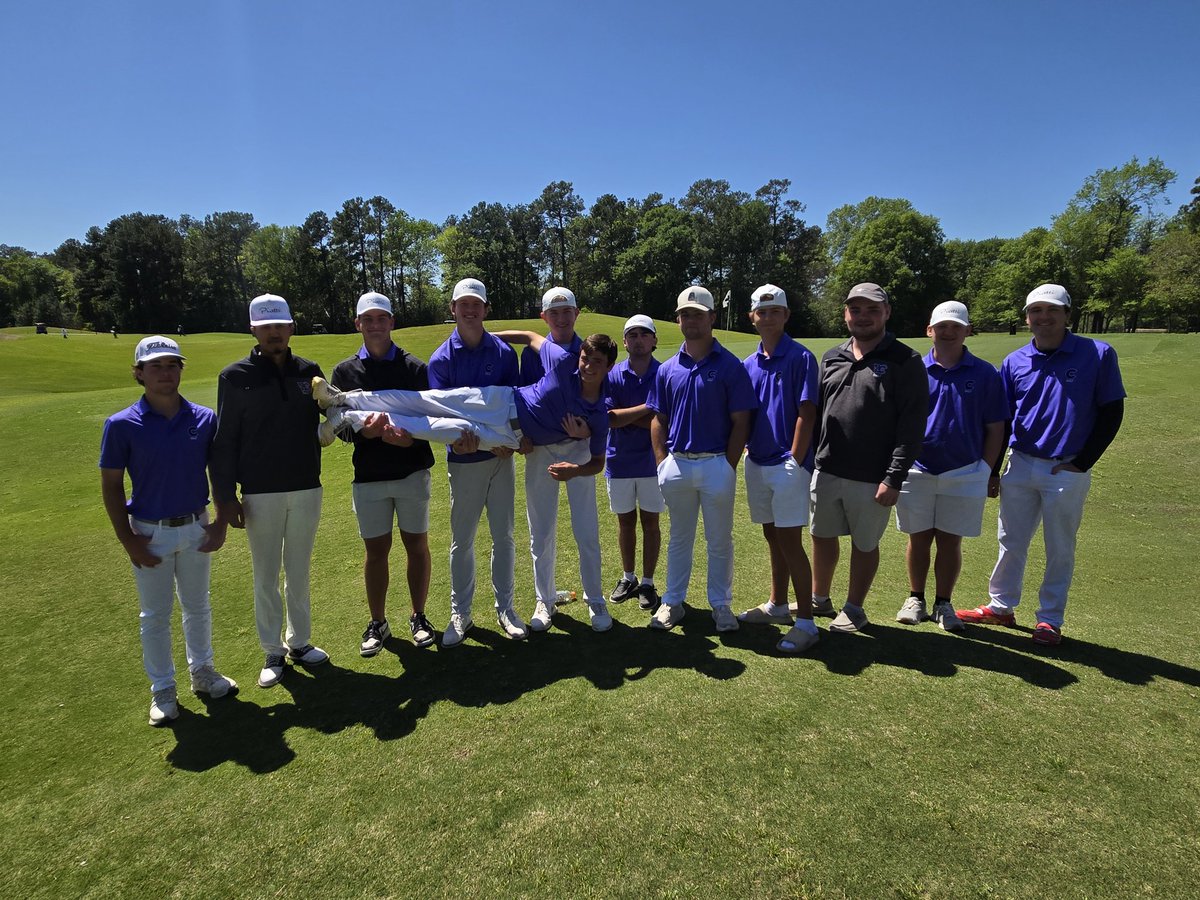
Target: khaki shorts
405,500
778,494
951,502
627,494
841,506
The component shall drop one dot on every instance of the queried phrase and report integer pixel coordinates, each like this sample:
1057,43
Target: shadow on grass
486,669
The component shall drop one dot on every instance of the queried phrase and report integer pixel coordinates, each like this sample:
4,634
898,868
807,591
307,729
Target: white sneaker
667,617
456,630
207,680
327,433
542,614
308,655
325,393
272,671
767,613
598,612
512,624
946,618
912,612
725,619
164,706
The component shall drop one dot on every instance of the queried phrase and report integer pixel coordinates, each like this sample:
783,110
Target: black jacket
873,412
266,438
373,459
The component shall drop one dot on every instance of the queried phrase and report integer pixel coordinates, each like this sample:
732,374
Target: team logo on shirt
1071,374
968,387
305,386
193,432
710,375
879,368
488,369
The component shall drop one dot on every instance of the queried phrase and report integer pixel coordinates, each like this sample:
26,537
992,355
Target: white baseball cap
155,347
1049,293
767,295
470,287
950,311
694,297
639,321
373,300
556,297
269,309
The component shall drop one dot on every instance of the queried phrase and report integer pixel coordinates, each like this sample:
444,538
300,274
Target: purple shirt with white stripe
782,381
962,400
1053,397
697,396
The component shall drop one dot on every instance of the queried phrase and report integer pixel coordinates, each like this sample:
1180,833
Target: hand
467,443
214,537
576,427
374,425
993,489
502,452
526,446
397,437
138,548
1066,467
885,495
562,471
231,512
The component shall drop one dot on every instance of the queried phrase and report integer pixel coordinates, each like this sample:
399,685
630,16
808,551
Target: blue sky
988,115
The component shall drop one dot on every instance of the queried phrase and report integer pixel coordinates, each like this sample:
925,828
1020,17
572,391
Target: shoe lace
418,622
274,661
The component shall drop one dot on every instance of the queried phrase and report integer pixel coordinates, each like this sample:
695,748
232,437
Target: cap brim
467,294
690,305
161,355
273,322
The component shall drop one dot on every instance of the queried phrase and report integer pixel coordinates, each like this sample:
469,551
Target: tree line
1125,261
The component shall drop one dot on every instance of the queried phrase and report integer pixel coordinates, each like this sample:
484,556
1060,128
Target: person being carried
564,410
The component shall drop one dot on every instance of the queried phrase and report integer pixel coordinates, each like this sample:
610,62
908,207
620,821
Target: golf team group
830,446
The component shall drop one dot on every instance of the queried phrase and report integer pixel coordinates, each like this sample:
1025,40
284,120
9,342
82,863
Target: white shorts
405,500
778,494
627,494
951,502
841,506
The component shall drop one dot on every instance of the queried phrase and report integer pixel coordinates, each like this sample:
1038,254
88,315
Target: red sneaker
1047,634
985,615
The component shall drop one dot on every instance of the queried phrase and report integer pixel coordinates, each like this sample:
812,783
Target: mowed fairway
903,762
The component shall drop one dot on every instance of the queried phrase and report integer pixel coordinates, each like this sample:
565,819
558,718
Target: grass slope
900,763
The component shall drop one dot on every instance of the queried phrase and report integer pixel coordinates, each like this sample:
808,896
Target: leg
627,539
651,542
683,499
826,552
917,557
156,600
192,571
790,542
265,518
501,500
716,503
863,565
1020,513
779,565
376,574
419,568
300,536
541,508
948,565
468,493
585,523
1063,496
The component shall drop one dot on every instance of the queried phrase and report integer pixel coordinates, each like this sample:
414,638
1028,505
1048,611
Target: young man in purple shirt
703,402
391,486
564,412
480,480
779,464
629,469
943,497
163,442
1067,401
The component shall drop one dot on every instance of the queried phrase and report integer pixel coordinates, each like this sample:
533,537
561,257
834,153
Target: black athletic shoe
648,598
625,589
422,631
373,637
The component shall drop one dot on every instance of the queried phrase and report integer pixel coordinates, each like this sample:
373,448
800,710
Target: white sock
629,576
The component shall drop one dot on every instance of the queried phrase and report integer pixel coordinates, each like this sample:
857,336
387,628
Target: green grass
901,763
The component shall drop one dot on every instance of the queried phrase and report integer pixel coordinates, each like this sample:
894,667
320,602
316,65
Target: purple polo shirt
455,365
532,367
962,400
542,406
1053,397
165,458
781,382
630,453
697,397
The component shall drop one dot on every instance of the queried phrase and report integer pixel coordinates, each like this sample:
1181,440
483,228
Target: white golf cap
694,297
373,300
470,287
155,347
950,311
556,297
269,309
639,321
1049,293
767,295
